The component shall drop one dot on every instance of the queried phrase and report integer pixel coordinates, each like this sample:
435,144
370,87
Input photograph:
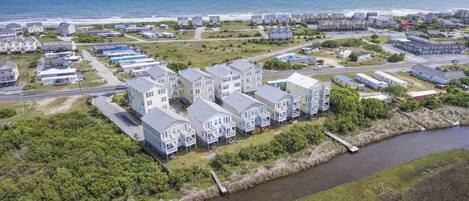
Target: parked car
440,86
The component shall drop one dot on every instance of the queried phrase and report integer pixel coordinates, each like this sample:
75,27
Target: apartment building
281,105
226,81
196,84
251,74
315,95
167,77
248,113
146,94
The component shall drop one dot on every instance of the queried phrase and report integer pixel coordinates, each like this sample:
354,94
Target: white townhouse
296,18
196,84
226,81
182,22
35,27
281,105
15,27
8,73
251,74
280,34
17,45
66,29
146,94
315,95
58,46
166,131
197,21
256,19
248,113
270,19
214,20
167,77
283,18
212,123
7,34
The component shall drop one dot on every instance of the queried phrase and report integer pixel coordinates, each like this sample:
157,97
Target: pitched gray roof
142,84
7,65
33,24
160,118
12,26
438,73
159,71
193,74
241,65
220,70
203,109
240,102
271,94
7,31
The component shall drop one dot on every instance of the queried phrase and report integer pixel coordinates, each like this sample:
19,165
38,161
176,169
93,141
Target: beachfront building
197,21
212,123
15,27
251,74
280,34
166,131
315,95
391,80
214,21
421,46
17,45
58,46
462,14
270,19
342,25
35,27
370,82
66,29
8,73
256,19
345,81
182,22
281,105
435,75
167,77
248,113
359,16
196,84
226,81
146,94
7,34
296,18
381,22
283,18
56,71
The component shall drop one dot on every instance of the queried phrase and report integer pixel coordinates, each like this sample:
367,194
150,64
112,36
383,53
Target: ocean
120,10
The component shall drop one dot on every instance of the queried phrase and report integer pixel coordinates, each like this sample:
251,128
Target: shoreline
381,130
232,16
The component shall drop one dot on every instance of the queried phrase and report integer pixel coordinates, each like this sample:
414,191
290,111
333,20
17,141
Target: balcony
211,137
229,130
189,138
248,125
263,120
170,147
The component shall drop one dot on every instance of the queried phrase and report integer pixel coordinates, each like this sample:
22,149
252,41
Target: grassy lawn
50,35
235,25
381,38
230,34
415,84
396,180
206,53
374,60
186,35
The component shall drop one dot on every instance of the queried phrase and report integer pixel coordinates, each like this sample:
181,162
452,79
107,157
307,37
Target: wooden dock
349,146
221,187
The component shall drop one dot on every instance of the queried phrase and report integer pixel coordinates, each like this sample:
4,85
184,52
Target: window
237,84
149,94
210,89
163,99
198,83
149,103
208,82
226,86
197,91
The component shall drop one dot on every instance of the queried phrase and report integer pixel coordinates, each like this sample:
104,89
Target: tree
375,108
177,66
396,91
292,141
396,57
7,113
432,102
374,38
329,44
409,105
353,57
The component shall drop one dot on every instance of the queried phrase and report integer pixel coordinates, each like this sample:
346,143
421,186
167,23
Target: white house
315,95
197,21
212,123
251,74
66,29
146,94
167,77
283,18
361,56
138,69
280,34
7,34
58,46
214,21
270,19
391,80
281,105
56,71
256,19
166,131
370,82
226,81
8,73
35,27
196,84
248,113
296,18
17,45
182,22
343,53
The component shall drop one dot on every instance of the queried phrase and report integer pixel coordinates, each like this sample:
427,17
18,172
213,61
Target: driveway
198,33
102,70
125,121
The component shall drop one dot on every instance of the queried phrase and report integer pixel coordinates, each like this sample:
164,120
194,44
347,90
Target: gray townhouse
66,29
167,77
226,80
281,105
248,113
196,84
8,73
251,74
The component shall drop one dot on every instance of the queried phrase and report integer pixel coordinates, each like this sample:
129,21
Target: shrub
396,57
329,44
7,113
353,57
375,108
409,105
